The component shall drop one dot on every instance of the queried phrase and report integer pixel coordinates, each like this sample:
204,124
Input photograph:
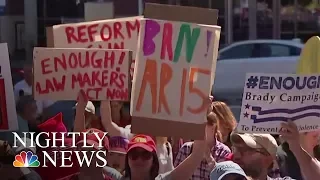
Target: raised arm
309,166
187,167
112,128
79,122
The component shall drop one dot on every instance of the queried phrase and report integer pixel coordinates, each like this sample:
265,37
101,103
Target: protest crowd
223,153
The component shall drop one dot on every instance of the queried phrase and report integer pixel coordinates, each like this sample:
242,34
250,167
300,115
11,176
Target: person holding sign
288,163
310,166
142,161
164,149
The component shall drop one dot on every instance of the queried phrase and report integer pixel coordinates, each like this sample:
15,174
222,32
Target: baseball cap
91,139
257,141
142,141
118,144
224,168
89,107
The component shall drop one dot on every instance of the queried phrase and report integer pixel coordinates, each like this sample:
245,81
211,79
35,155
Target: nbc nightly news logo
26,159
59,154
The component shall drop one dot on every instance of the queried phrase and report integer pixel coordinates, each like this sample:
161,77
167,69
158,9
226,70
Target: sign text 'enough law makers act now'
61,73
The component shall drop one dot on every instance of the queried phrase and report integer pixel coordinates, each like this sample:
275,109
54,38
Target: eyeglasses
144,155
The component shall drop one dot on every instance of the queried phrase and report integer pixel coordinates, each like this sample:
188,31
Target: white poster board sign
121,33
59,74
8,113
173,74
270,99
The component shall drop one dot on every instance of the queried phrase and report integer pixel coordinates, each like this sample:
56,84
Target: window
294,51
278,50
237,52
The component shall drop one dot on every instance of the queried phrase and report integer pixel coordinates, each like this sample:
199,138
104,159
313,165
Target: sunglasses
144,155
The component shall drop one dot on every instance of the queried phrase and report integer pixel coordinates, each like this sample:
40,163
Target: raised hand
82,99
290,133
116,106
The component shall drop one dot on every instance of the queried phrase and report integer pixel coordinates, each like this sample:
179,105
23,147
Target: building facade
239,19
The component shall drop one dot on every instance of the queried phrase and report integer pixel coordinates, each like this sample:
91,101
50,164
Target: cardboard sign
173,76
270,99
181,13
59,74
119,33
8,113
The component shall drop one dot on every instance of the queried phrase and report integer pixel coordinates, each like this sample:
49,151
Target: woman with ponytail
226,121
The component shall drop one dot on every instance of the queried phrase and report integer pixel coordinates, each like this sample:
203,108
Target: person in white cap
227,170
255,153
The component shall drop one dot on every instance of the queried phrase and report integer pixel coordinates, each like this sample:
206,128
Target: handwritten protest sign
119,33
270,99
8,114
173,74
59,74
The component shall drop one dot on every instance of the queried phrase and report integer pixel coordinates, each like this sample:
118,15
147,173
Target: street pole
31,27
140,7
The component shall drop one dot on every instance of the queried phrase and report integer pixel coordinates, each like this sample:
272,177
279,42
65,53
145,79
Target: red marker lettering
44,66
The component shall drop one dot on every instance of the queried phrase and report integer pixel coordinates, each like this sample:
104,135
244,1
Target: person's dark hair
23,101
154,169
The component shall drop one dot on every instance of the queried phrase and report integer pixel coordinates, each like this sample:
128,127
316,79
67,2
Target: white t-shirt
165,158
23,85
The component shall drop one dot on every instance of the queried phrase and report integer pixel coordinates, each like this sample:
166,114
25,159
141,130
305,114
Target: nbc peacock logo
26,159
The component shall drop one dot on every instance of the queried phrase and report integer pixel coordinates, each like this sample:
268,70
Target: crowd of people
224,154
